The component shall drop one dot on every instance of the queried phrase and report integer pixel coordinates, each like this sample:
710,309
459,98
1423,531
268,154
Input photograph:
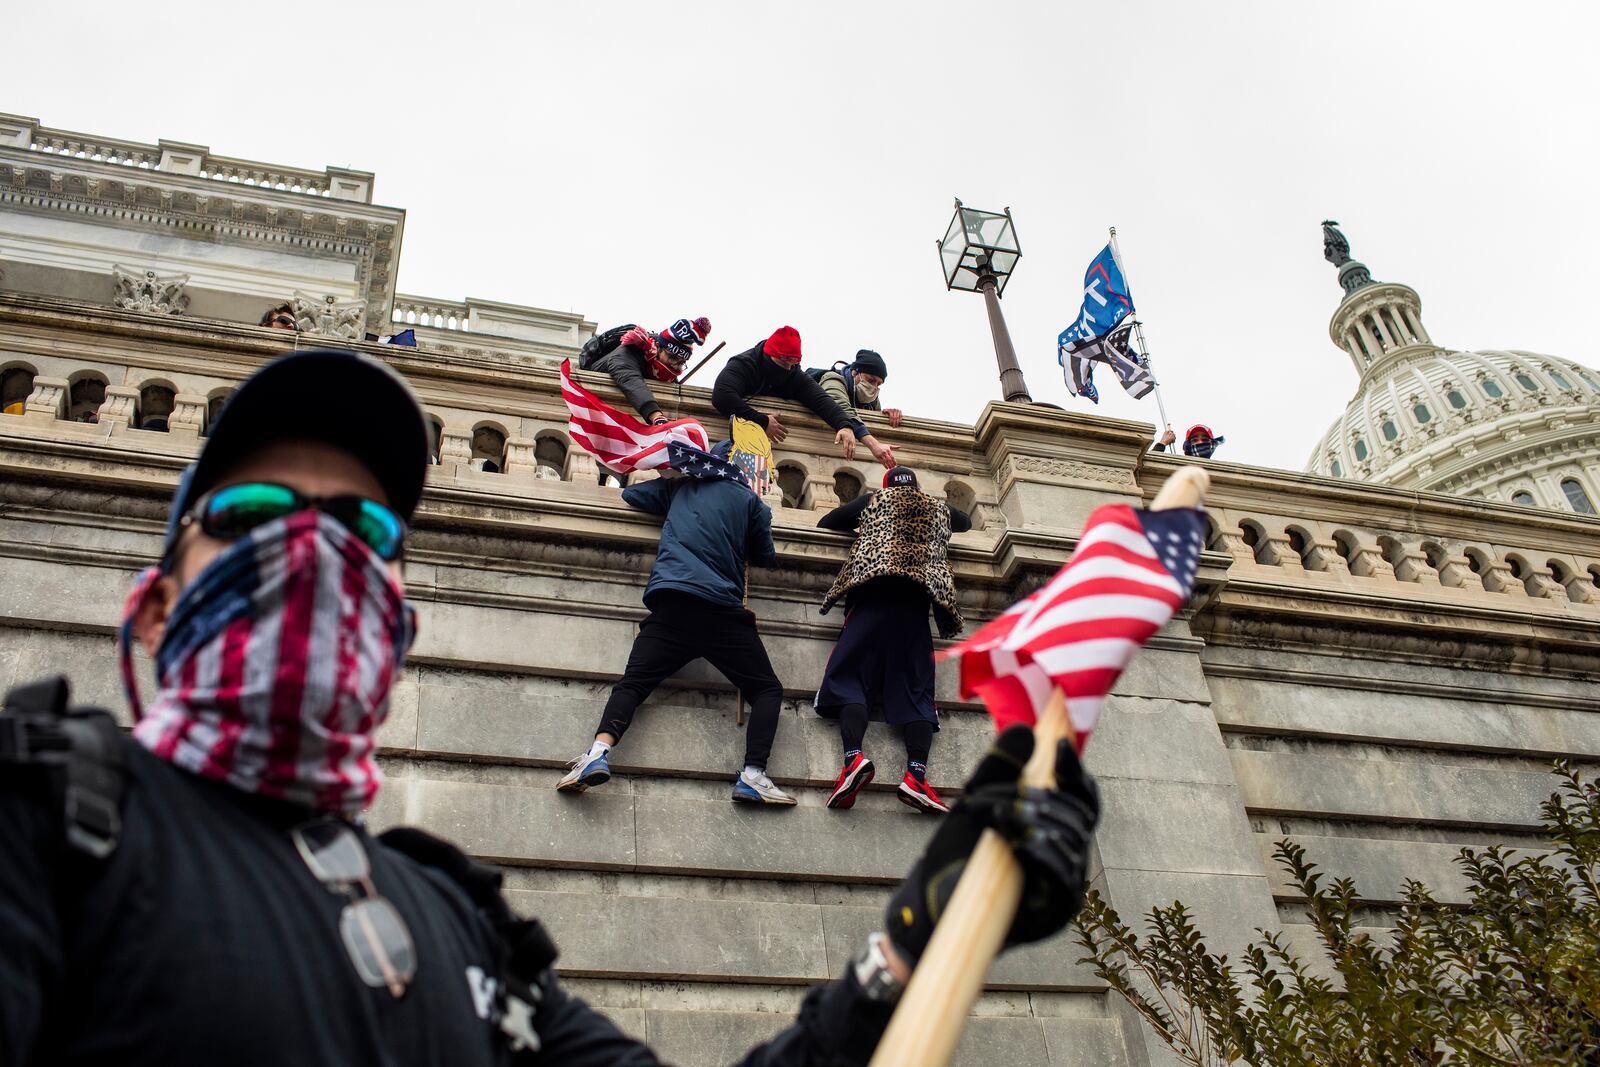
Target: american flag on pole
617,439
1130,572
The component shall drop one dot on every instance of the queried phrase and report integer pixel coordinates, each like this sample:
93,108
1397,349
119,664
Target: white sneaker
757,788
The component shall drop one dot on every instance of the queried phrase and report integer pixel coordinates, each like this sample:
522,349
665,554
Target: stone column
120,404
1457,573
1368,562
1366,337
581,467
48,401
1545,584
1581,590
823,497
455,446
1324,556
1382,331
519,456
1414,567
188,416
1497,578
1278,552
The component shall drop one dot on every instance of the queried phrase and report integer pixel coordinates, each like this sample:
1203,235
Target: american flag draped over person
1130,572
697,464
617,439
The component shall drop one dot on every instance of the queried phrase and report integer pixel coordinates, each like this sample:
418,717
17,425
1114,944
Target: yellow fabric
750,439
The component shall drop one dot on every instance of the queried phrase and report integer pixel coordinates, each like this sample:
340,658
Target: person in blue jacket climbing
714,525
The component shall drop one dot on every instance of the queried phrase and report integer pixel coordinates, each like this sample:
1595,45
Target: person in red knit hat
772,368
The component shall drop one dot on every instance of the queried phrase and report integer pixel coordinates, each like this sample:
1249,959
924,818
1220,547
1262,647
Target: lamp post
978,252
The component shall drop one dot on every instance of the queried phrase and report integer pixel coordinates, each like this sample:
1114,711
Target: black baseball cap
342,398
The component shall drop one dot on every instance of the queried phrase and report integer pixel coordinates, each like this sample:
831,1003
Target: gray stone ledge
1384,790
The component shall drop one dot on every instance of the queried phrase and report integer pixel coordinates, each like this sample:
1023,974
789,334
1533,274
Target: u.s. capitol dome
1512,426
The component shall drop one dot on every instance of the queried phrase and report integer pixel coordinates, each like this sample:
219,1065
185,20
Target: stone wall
1382,674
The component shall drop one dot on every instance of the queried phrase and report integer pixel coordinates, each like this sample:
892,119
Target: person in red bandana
635,356
204,891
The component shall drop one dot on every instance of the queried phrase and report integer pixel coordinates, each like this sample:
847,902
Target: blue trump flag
1106,302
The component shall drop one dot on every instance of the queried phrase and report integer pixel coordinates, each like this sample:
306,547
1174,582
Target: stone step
663,938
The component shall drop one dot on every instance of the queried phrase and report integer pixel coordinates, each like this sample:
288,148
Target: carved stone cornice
204,209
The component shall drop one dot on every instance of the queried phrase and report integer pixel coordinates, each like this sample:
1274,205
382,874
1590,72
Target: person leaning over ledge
772,368
856,386
205,892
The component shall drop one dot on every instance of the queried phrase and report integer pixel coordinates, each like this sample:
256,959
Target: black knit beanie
869,361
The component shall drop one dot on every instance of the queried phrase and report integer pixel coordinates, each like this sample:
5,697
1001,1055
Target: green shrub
1511,977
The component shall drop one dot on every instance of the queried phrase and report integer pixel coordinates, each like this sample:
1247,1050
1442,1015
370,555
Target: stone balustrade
424,311
338,183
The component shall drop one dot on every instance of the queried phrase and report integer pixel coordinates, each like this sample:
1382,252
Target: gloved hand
1049,829
640,338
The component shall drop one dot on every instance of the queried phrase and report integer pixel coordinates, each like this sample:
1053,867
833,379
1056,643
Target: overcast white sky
767,164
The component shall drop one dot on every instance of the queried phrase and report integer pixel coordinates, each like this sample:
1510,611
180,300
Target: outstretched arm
845,517
960,521
820,404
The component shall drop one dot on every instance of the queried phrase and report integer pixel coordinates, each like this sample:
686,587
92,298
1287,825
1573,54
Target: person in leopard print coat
882,665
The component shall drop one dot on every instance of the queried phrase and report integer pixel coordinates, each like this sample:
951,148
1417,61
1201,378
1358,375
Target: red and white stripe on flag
1078,632
617,439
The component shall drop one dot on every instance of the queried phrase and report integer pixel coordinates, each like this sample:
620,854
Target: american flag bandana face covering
276,665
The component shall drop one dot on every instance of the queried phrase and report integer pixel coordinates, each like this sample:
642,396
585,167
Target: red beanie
783,344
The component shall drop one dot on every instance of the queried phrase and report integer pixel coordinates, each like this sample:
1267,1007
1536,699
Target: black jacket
205,939
751,374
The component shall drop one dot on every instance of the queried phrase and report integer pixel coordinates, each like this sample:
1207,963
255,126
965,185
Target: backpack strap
81,748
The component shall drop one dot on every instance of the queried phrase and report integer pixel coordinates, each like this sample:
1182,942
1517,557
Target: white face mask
866,391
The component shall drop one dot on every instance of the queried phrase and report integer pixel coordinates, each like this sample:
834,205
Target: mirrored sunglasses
375,937
233,511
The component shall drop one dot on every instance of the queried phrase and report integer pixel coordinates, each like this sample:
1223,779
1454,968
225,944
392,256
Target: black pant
918,734
681,629
628,369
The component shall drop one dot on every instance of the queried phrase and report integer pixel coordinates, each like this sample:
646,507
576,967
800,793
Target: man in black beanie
854,386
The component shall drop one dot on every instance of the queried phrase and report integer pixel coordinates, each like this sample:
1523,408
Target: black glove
1050,830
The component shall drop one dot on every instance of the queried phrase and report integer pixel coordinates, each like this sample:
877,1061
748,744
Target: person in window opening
1199,441
772,368
221,846
280,317
882,664
855,386
634,356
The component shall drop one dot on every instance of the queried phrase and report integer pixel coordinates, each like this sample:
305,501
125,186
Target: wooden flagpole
928,1023
714,351
1138,329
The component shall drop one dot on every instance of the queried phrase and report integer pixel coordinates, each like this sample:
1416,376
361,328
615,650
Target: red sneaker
920,795
857,772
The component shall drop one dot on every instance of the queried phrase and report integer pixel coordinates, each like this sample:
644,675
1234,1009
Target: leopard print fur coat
904,532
